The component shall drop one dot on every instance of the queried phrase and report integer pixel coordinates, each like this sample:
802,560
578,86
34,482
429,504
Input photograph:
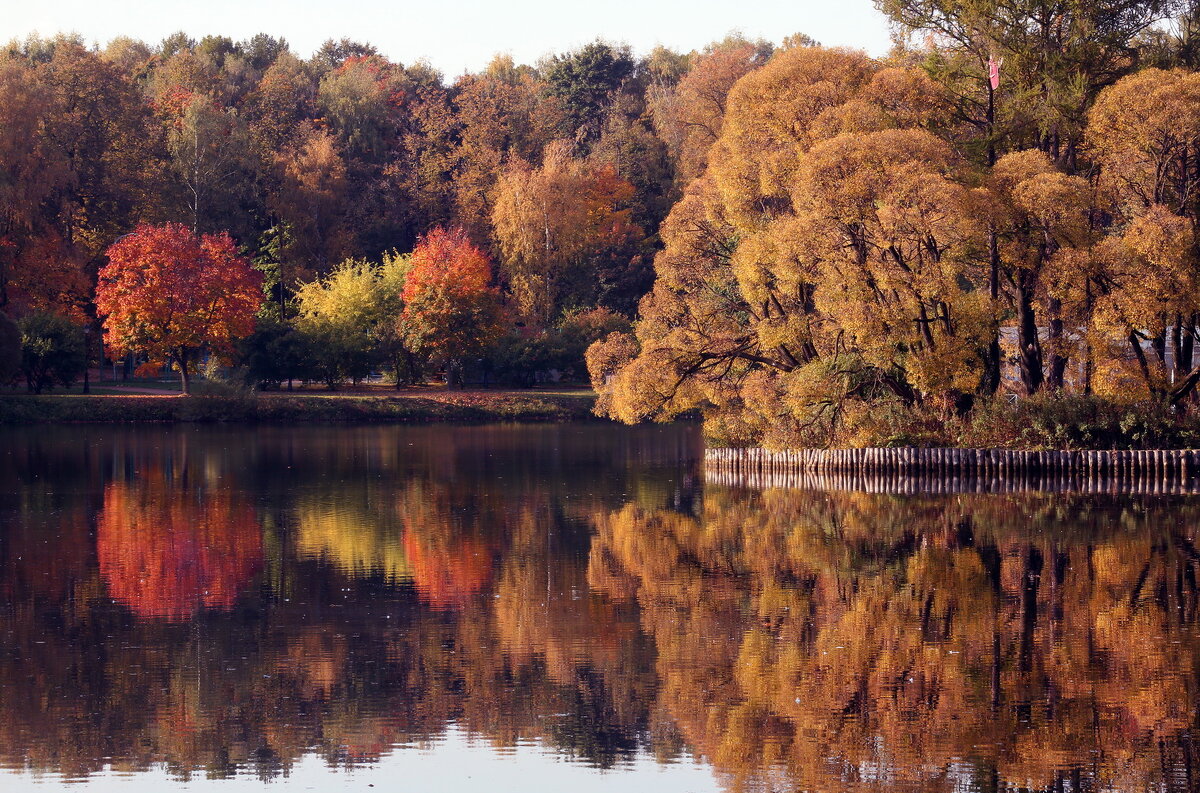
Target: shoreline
294,408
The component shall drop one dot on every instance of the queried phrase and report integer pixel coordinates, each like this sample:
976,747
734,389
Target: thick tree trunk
1058,361
1158,343
1030,348
1184,339
454,374
184,374
990,382
1139,354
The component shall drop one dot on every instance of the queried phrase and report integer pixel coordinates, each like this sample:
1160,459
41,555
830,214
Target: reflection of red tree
168,553
447,572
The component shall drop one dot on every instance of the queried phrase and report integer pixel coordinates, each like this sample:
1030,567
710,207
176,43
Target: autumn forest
281,201
807,245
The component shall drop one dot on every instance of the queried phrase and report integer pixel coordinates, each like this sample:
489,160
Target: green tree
276,352
586,80
52,351
1058,56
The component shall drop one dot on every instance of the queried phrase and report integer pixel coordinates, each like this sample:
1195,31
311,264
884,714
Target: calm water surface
571,608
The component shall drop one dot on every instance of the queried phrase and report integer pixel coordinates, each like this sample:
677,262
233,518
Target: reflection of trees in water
449,539
352,535
824,640
169,551
394,603
857,641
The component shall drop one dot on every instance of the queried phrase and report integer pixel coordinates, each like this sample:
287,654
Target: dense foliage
172,294
10,348
804,239
52,351
1009,207
325,172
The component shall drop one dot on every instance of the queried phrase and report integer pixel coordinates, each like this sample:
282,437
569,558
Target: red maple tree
451,311
172,294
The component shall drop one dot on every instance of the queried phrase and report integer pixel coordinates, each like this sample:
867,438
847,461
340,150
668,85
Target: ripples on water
571,607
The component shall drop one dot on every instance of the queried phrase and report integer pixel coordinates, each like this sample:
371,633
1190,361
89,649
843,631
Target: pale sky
453,763
457,35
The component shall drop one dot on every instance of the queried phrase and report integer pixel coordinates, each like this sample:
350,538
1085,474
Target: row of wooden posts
898,483
913,469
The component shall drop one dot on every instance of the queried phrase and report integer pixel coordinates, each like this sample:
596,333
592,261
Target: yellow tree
1041,232
1144,132
502,114
689,115
555,224
828,261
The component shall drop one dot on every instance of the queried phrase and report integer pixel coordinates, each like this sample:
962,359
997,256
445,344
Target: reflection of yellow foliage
358,542
825,632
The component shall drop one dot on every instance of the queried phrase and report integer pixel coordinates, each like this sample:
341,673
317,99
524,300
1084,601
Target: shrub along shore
418,407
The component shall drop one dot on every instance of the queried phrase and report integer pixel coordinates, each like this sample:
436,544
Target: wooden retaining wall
914,470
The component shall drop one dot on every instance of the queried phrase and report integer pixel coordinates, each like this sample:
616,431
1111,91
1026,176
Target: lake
571,607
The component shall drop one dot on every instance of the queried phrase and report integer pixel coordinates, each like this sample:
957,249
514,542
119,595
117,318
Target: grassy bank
417,405
1042,422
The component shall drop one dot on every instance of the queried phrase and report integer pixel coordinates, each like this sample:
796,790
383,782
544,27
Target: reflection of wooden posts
890,470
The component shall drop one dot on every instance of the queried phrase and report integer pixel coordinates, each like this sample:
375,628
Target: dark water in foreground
571,608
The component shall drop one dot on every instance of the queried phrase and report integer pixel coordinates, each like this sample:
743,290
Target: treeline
1006,204
317,168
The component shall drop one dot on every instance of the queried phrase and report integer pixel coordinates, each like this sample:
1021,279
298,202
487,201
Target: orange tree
451,310
171,294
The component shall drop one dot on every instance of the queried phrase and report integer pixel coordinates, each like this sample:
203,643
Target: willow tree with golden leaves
1144,133
831,261
688,116
1041,231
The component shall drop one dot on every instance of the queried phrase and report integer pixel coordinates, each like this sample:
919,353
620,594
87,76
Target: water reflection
216,603
170,550
851,641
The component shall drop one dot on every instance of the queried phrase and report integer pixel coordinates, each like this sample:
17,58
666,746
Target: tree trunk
1089,363
1184,339
454,378
1139,354
1058,361
990,383
184,374
1030,352
1158,343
